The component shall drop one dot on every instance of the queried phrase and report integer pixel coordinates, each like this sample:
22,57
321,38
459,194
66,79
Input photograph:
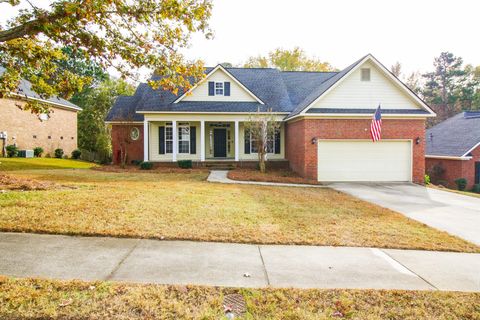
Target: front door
477,172
220,143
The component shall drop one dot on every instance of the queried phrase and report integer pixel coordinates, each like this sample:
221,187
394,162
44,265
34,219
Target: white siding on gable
353,93
237,93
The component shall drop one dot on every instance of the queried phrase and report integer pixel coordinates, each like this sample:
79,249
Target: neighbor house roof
24,90
454,137
288,92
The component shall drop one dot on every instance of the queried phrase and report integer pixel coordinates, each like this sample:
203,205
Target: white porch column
202,140
175,141
146,134
237,139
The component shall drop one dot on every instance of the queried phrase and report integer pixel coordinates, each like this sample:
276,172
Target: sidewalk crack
264,267
409,269
115,269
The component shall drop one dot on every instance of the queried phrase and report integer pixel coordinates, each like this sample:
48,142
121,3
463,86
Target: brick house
453,150
325,119
27,130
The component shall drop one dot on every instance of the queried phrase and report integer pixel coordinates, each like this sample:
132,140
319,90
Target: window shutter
193,140
226,88
161,140
247,141
211,88
277,141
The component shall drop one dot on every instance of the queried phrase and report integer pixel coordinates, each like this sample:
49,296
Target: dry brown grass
465,193
283,176
43,299
184,206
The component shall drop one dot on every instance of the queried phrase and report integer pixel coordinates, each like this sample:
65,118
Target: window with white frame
219,88
168,138
270,144
183,137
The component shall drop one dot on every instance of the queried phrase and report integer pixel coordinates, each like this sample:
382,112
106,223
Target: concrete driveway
454,213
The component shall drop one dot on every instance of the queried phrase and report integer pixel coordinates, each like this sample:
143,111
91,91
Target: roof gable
238,91
398,95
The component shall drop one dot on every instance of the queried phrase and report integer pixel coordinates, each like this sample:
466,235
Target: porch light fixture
314,140
417,141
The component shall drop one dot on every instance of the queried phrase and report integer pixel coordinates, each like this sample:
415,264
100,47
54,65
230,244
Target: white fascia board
122,122
360,115
473,148
447,157
199,112
60,105
227,73
386,72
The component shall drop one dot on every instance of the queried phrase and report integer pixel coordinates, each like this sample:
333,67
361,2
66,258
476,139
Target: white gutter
448,157
206,112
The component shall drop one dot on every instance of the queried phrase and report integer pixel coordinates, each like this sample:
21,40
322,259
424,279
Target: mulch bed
10,183
136,169
281,176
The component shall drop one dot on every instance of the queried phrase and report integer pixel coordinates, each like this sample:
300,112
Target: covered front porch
172,138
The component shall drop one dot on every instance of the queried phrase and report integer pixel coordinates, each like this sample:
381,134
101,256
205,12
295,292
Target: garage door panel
364,161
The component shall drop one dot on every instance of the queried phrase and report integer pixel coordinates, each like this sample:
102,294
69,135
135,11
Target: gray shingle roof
287,92
455,136
25,89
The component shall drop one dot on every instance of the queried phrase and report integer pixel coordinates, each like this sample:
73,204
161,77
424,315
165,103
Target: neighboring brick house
27,130
325,119
453,150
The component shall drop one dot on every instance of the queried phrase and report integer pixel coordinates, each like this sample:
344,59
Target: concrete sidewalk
237,265
220,176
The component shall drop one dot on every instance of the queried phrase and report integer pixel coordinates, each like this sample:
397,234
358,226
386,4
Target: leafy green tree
93,134
450,87
120,34
288,60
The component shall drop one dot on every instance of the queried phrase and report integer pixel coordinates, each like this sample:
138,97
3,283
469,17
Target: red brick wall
134,148
453,169
302,154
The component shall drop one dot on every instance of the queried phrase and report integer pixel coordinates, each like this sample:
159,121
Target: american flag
376,126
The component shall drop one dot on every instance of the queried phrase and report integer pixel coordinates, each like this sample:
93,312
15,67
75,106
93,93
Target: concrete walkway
220,176
238,265
448,211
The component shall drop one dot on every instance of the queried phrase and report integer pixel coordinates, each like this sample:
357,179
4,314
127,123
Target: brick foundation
302,154
453,169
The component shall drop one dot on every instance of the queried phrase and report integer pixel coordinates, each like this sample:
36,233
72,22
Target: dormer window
365,74
219,88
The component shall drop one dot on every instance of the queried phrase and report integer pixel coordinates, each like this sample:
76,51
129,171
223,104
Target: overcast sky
339,31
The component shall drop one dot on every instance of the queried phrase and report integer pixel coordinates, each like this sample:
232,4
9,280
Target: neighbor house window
365,74
168,138
184,137
219,88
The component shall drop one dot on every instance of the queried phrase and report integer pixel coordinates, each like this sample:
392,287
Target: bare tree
123,133
262,127
396,69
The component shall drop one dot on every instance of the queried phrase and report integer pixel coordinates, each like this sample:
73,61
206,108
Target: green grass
43,299
12,164
180,204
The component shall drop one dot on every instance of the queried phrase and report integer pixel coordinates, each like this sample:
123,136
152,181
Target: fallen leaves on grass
282,176
8,182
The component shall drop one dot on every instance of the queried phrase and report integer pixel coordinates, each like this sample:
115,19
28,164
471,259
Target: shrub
427,179
38,151
12,150
136,162
185,164
59,153
76,154
476,188
146,165
461,183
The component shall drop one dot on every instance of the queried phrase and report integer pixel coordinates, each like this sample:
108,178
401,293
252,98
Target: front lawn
465,193
43,299
182,205
9,164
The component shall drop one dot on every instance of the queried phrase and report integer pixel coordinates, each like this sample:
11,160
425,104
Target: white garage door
364,160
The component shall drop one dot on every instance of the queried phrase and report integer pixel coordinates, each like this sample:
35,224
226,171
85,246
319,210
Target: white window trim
220,87
181,126
251,145
168,125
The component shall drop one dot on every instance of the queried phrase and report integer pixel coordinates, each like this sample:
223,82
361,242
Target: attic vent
365,74
471,114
